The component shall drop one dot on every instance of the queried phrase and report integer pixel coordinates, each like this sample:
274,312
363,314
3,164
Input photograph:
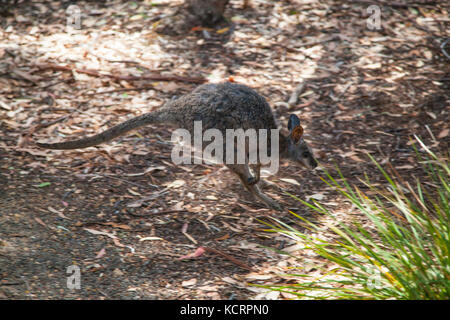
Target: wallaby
219,106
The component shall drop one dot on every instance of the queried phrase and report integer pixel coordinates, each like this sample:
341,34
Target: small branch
26,76
121,90
95,73
298,90
149,215
97,175
396,4
42,125
47,124
226,256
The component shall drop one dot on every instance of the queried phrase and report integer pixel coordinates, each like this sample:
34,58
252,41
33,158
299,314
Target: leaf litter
354,89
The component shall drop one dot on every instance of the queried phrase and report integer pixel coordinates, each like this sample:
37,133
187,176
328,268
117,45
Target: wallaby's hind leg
254,179
243,172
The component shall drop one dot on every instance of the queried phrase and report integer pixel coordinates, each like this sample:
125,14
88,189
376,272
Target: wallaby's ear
293,122
295,128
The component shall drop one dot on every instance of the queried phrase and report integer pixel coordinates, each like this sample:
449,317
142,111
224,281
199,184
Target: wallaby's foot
271,203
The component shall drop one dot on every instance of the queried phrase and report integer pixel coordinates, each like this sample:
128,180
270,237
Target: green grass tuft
404,254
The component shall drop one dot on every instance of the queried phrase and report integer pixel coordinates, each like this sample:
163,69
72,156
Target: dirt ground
123,212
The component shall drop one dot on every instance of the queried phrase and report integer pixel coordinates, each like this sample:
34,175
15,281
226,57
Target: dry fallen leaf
443,133
150,239
406,166
229,280
295,247
208,288
225,237
255,276
117,272
176,184
272,295
118,225
4,105
59,213
223,30
188,283
292,181
40,221
197,253
101,253
103,233
187,235
150,169
317,196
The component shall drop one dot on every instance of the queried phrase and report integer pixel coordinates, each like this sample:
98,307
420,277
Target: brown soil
123,212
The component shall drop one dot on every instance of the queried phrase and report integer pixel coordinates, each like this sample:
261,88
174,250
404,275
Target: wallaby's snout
304,155
308,158
298,149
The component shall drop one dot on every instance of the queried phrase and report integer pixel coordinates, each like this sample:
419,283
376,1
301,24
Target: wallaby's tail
111,133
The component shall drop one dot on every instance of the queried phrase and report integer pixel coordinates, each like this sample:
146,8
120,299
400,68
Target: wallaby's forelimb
257,174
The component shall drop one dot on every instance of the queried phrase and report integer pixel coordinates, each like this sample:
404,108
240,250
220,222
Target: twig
120,61
152,214
226,256
171,211
431,133
26,76
98,175
52,84
191,238
12,54
121,90
396,4
311,43
48,124
344,90
95,73
294,96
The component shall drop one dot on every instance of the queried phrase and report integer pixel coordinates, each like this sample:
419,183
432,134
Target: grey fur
219,106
